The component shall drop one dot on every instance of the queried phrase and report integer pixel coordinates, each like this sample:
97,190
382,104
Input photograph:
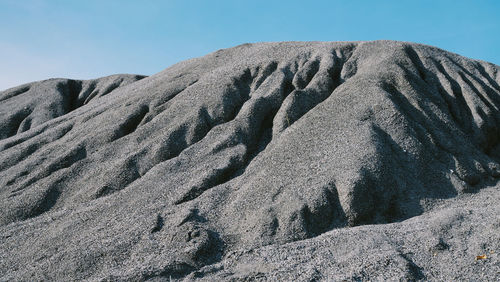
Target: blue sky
40,39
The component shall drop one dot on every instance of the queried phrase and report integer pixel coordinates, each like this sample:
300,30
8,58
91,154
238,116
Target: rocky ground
273,161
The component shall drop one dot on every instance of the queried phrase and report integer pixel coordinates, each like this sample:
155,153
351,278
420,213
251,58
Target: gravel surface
272,161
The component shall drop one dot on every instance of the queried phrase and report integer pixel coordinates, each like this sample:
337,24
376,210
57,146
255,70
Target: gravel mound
270,161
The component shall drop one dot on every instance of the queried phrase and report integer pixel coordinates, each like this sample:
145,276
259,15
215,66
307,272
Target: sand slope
296,160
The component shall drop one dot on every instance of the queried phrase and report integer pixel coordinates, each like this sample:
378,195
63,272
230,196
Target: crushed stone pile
271,161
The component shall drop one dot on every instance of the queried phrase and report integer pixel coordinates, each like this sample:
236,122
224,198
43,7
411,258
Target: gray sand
273,161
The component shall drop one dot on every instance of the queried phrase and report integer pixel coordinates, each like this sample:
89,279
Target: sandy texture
274,161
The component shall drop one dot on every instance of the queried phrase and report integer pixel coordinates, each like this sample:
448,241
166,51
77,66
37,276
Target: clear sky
40,39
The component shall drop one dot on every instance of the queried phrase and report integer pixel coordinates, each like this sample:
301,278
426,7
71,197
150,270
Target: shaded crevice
304,75
111,87
97,92
393,212
123,175
25,125
476,91
158,106
18,156
488,130
461,112
77,154
242,86
77,93
335,73
139,77
14,124
452,107
193,215
324,214
264,74
131,123
349,67
264,137
166,97
168,149
417,62
217,177
488,90
287,86
485,74
304,100
13,93
234,97
136,166
241,92
173,271
443,150
236,167
486,134
85,98
412,114
469,73
48,200
203,247
119,177
205,123
271,224
198,245
70,92
158,224
26,153
415,272
89,93
462,106
257,142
